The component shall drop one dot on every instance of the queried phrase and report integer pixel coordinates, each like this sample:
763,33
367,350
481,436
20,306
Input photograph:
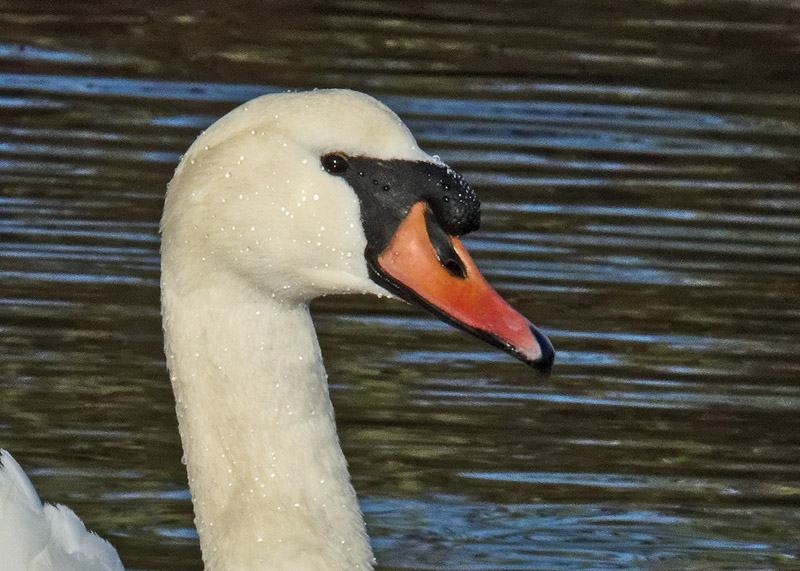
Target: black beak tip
544,364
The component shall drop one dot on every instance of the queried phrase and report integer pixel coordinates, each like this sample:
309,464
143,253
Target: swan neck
269,481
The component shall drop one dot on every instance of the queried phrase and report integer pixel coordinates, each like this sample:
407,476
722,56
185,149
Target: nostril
443,245
455,267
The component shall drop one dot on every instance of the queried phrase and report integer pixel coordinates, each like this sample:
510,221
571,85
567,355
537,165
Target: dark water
639,163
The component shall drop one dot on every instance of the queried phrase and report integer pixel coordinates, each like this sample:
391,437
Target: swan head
314,193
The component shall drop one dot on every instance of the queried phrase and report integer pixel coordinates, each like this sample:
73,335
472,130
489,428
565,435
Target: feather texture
37,537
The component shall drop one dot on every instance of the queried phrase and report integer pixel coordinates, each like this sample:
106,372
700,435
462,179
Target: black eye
334,164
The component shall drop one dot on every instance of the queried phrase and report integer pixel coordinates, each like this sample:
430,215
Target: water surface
638,165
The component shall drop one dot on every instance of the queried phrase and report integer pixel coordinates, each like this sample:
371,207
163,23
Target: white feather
36,537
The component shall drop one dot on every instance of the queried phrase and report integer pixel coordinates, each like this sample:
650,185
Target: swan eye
334,164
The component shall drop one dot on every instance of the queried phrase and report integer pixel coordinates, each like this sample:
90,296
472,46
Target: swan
287,198
36,537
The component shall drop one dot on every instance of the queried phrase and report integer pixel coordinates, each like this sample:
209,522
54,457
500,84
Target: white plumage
36,537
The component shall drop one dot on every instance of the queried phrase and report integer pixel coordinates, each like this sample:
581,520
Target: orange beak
425,265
